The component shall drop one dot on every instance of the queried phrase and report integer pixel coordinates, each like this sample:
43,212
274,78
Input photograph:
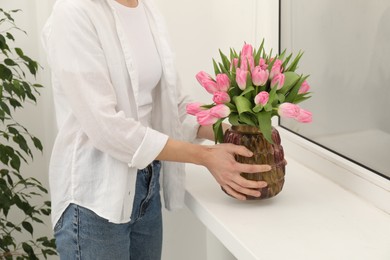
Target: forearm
179,151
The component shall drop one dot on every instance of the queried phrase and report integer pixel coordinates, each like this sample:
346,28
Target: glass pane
346,46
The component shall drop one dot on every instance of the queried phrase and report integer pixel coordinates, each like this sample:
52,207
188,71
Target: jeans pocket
58,225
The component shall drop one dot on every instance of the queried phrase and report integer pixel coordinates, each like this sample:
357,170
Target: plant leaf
290,79
242,104
216,69
246,118
293,66
27,226
265,125
218,132
247,90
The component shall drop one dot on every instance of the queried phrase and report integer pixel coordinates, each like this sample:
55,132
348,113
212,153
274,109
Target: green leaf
14,103
207,106
10,62
225,61
246,118
268,107
272,96
258,108
231,107
27,226
301,97
5,73
218,132
216,69
281,98
15,162
281,56
32,66
242,104
3,44
29,251
5,108
293,66
247,90
258,52
286,61
10,36
233,119
290,79
290,97
19,52
37,143
223,69
265,125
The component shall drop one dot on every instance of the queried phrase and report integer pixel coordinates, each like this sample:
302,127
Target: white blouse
96,88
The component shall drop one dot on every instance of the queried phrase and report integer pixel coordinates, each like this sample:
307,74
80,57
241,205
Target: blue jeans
83,235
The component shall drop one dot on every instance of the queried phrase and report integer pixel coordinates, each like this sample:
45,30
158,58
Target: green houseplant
17,191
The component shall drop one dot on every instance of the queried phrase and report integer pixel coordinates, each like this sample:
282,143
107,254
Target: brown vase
263,153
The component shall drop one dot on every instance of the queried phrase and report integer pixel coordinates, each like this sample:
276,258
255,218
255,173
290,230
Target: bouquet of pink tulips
250,88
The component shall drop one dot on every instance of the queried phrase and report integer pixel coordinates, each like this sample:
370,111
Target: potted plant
248,89
17,190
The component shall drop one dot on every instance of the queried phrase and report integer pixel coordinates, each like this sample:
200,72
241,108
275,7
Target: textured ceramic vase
263,153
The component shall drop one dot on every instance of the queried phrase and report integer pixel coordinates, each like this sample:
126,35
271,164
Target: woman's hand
220,161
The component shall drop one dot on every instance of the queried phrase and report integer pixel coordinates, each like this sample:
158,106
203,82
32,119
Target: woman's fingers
241,181
238,149
252,168
246,191
233,193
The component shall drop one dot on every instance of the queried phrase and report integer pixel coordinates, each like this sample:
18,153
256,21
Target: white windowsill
337,212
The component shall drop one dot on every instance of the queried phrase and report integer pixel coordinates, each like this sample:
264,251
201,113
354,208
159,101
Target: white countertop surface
312,218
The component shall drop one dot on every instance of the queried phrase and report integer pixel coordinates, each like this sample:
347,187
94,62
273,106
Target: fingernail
250,154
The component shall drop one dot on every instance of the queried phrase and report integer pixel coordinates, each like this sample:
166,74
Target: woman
121,117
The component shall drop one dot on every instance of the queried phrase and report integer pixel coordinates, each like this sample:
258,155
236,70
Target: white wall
198,30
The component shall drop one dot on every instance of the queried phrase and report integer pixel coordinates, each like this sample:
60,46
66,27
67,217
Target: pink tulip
220,111
234,63
276,69
245,61
221,97
247,51
278,80
259,76
288,110
207,82
205,118
194,108
304,116
305,87
241,76
223,82
262,64
262,98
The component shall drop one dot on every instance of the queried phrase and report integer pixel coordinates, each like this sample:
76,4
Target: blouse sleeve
78,62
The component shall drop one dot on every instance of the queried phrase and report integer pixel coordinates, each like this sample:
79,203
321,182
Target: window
346,48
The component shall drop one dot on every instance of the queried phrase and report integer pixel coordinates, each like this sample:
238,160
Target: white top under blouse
138,35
